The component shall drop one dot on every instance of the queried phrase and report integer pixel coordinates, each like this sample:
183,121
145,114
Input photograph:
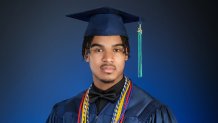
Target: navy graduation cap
107,21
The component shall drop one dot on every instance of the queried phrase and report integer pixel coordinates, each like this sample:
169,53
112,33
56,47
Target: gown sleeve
53,117
162,115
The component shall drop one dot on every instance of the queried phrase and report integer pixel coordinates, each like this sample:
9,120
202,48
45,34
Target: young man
112,97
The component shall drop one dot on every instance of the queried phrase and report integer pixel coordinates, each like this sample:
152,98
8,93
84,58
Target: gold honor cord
139,50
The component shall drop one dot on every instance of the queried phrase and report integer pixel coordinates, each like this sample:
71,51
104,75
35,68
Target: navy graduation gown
142,108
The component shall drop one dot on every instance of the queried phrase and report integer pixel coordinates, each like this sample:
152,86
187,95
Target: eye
97,50
118,50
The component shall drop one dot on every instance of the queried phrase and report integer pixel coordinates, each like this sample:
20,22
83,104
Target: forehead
107,40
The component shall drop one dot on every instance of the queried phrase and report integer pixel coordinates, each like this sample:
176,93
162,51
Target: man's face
107,58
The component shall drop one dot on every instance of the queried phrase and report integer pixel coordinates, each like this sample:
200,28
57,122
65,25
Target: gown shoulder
162,115
146,109
59,109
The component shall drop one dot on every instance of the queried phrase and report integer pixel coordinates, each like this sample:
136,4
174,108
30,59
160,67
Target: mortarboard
107,21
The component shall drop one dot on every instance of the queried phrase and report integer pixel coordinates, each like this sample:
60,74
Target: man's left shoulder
144,107
139,99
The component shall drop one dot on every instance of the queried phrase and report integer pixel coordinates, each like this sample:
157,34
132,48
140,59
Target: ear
86,56
126,57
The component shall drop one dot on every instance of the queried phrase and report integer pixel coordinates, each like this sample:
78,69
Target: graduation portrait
108,61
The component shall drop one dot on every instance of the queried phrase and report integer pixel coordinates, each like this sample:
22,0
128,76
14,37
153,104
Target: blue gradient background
41,63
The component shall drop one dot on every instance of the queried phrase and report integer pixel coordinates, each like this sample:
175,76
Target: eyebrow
96,45
99,45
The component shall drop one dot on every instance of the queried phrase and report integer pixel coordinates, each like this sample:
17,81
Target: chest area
105,116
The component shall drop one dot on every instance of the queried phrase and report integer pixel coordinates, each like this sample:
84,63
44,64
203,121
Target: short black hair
87,41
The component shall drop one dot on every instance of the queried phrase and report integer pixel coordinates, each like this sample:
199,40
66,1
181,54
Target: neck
104,86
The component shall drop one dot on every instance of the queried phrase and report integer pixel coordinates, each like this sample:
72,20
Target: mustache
107,65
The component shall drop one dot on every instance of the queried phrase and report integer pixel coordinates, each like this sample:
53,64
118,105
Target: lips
108,68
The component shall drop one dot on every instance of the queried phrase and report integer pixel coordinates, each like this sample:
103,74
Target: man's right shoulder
68,105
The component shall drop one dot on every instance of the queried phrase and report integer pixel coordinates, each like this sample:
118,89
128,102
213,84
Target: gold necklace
119,110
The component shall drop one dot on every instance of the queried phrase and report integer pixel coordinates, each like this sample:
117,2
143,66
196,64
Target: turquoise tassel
139,50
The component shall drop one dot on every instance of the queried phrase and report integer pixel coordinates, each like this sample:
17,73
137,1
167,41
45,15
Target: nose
108,56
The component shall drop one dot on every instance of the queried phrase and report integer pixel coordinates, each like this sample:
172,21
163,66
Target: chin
106,78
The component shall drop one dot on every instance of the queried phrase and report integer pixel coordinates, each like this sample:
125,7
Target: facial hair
105,80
